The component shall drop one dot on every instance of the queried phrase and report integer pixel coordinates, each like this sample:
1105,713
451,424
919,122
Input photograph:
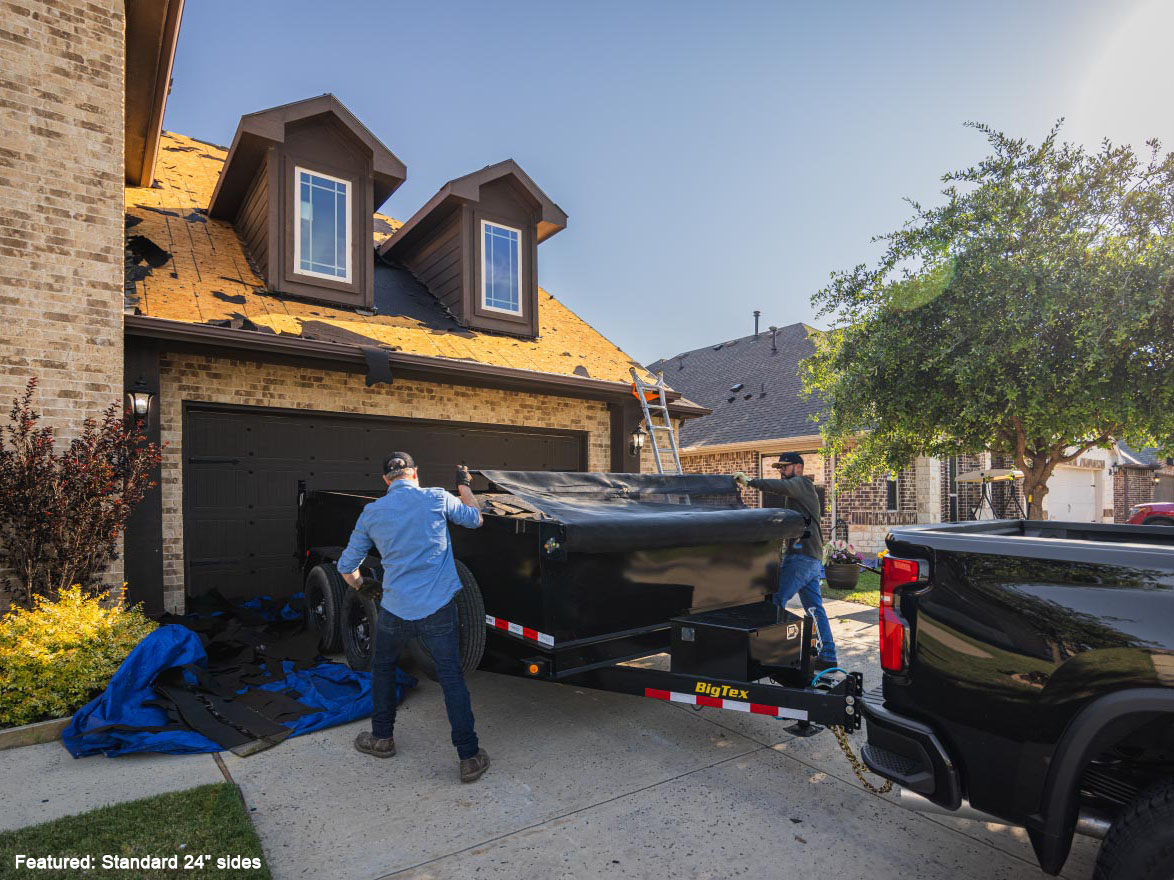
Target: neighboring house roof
1146,458
183,266
768,406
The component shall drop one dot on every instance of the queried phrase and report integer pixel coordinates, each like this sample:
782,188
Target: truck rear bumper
909,753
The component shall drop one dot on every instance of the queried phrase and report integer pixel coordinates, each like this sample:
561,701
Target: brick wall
61,207
1131,486
864,508
210,379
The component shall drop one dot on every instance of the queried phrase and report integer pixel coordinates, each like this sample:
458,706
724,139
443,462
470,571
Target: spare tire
471,610
360,610
325,590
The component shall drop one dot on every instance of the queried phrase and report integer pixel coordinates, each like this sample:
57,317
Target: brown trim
152,29
419,366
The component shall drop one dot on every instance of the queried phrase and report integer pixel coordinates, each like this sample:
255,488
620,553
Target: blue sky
714,158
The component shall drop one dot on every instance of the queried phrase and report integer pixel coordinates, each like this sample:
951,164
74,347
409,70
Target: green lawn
210,820
867,590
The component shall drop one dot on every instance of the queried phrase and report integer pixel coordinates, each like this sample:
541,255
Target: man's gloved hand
463,476
741,479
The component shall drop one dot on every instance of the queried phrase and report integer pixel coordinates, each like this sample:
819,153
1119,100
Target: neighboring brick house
752,385
1140,477
281,329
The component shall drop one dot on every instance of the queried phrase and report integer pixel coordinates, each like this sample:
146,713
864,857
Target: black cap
789,458
397,463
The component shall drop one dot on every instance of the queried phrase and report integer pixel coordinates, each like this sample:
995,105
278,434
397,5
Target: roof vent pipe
774,345
756,316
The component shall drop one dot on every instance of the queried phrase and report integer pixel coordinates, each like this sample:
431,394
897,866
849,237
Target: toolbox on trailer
651,584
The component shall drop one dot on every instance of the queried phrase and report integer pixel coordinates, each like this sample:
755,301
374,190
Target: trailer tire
325,590
360,610
471,609
1140,842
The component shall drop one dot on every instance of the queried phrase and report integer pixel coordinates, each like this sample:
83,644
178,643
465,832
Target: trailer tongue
645,584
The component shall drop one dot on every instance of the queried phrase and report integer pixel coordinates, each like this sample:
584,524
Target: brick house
753,387
280,328
1140,477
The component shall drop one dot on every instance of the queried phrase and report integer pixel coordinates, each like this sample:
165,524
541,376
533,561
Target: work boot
472,768
366,743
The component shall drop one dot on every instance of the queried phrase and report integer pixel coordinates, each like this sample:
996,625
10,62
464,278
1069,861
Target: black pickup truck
1029,679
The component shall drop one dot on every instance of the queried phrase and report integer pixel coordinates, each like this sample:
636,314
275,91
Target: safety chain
857,765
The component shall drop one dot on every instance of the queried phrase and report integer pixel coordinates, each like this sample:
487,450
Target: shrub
59,655
61,514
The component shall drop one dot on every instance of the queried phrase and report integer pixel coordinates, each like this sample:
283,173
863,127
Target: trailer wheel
471,609
325,590
360,610
1140,843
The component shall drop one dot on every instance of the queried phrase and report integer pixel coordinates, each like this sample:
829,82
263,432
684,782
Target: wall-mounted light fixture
138,400
636,444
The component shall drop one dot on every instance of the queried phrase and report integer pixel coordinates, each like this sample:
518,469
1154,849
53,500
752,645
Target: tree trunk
1034,491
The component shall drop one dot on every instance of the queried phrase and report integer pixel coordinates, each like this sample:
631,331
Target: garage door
242,468
1074,495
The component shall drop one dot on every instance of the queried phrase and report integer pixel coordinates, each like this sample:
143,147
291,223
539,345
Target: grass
210,819
867,591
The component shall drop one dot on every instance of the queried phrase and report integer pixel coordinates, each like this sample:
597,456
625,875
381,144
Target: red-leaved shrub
61,514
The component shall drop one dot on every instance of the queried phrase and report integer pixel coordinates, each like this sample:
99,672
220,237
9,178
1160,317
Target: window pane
501,263
323,223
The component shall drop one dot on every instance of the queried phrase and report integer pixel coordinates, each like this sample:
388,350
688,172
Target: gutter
413,365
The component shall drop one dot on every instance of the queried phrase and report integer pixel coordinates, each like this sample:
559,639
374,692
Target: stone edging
32,734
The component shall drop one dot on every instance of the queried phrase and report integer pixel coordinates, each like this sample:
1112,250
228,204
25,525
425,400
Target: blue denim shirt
409,528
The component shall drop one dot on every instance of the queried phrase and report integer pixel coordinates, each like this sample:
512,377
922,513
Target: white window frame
485,275
297,255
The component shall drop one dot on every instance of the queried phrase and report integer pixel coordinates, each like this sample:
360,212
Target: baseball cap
397,463
789,458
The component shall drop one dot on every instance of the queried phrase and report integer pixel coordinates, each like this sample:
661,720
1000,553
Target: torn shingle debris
378,365
143,250
236,299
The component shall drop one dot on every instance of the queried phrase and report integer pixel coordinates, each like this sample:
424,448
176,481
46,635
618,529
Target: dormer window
322,236
501,268
301,184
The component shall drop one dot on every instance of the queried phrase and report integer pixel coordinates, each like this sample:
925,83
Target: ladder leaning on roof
641,388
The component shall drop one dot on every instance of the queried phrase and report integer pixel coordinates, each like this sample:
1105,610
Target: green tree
1031,314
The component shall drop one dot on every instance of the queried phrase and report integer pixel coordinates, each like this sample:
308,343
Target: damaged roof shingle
203,255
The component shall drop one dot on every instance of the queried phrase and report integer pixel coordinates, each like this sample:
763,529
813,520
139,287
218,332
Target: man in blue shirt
409,527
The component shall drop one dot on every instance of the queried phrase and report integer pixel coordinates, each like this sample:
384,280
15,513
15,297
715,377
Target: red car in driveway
1157,513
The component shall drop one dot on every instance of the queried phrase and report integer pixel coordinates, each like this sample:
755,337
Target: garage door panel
242,468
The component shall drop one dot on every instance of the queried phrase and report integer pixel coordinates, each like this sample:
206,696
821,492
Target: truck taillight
895,573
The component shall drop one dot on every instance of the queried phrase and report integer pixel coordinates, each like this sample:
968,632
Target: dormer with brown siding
474,245
301,184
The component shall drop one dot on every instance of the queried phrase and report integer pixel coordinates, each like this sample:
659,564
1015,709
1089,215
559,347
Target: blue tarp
342,694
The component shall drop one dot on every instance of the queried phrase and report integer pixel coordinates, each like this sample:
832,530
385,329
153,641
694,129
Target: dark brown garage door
242,467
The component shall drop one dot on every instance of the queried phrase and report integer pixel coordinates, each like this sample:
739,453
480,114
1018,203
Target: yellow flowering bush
60,654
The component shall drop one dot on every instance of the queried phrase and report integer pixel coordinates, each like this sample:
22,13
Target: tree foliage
62,514
1030,314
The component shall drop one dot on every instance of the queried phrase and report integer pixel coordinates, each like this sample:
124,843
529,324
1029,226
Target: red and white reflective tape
519,630
721,703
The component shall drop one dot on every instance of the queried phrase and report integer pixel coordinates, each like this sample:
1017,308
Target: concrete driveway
590,784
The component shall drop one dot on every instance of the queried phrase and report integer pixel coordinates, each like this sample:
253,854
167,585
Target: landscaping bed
207,830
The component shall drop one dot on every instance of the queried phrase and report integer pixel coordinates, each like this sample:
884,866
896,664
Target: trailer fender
1097,726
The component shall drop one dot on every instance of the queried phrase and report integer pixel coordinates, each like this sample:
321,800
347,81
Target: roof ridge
713,345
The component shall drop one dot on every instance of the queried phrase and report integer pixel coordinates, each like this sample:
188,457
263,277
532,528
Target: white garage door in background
1074,495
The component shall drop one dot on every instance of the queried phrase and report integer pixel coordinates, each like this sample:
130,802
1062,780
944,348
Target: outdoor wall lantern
139,400
637,441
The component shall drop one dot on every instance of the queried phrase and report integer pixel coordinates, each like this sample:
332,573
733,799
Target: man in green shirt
802,566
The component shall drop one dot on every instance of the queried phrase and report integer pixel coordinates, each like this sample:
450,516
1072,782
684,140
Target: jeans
801,574
439,632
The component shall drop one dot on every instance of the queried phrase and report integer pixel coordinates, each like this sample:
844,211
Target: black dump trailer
592,579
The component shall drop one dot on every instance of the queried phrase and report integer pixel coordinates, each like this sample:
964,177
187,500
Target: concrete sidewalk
583,784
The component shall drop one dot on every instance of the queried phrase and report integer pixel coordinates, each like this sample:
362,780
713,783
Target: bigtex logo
713,690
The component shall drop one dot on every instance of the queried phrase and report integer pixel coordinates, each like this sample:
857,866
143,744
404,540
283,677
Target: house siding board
208,378
321,144
439,266
61,220
252,224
